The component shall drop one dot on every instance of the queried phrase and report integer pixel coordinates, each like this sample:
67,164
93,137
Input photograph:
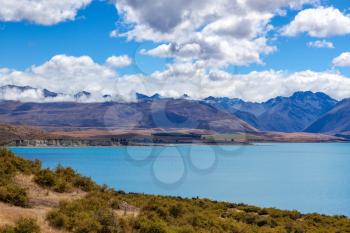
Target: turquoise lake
306,177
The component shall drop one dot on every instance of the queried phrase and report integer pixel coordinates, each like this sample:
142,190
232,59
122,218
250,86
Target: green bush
57,219
91,214
84,183
144,225
22,226
46,178
63,180
11,164
62,187
11,193
176,210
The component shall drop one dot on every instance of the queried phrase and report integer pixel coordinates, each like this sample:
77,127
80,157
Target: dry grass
41,201
11,214
39,196
111,132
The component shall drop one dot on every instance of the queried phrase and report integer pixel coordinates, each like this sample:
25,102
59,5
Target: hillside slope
295,113
336,121
155,114
9,133
281,114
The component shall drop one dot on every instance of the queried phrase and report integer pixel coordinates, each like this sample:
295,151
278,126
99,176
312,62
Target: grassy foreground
103,210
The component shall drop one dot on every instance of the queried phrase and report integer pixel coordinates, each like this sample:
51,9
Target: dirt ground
41,201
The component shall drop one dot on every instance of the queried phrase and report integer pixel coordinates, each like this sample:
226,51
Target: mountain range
337,120
300,112
282,114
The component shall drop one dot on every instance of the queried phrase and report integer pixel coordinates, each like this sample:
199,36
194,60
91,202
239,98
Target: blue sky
24,44
32,40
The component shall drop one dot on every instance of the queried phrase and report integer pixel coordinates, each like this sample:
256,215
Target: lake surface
305,177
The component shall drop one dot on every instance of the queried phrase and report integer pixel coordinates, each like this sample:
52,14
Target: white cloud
25,95
319,22
173,50
70,75
272,5
65,74
220,33
194,80
119,61
321,44
45,12
342,60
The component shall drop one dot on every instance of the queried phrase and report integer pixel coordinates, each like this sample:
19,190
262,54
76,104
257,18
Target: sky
249,49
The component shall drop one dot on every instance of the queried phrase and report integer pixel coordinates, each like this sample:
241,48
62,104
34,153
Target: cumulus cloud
71,75
45,12
321,44
23,94
319,22
64,74
119,61
272,5
195,81
221,33
342,60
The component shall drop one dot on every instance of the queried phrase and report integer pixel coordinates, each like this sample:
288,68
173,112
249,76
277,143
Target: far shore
179,144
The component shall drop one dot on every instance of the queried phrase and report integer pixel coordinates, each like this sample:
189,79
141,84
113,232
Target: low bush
144,225
91,214
10,165
11,193
63,180
46,178
22,226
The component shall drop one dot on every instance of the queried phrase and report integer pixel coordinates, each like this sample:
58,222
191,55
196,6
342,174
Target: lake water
305,177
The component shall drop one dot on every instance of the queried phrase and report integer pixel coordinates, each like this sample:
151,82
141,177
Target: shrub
13,164
84,183
46,178
14,195
91,214
62,186
68,174
63,180
22,226
144,225
176,210
57,219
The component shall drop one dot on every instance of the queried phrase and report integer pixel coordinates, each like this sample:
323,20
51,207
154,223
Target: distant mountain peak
20,88
224,100
143,97
46,93
308,94
185,96
82,95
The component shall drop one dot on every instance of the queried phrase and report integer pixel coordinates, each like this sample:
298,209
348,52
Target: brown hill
9,133
149,114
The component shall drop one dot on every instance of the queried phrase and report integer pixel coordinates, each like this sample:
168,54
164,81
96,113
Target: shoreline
202,196
257,143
